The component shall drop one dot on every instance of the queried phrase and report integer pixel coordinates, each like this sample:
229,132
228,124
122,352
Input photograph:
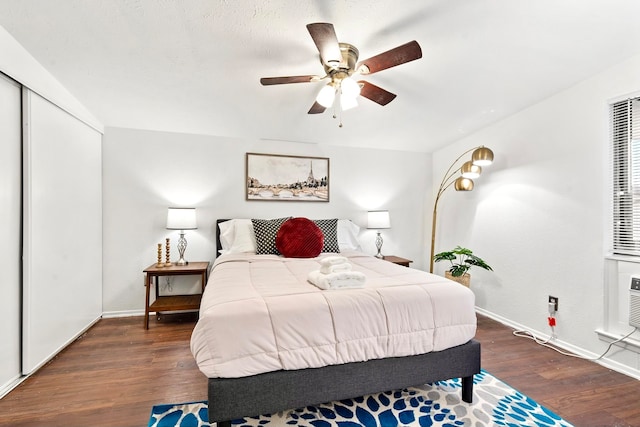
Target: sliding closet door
10,213
62,283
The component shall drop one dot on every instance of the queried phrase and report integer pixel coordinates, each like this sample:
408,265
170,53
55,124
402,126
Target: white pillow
237,236
227,233
348,235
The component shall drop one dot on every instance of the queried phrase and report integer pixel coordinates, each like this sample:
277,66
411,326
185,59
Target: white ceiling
194,66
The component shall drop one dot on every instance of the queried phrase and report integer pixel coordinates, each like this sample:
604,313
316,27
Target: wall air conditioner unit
634,302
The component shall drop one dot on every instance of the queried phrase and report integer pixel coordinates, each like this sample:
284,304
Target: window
625,156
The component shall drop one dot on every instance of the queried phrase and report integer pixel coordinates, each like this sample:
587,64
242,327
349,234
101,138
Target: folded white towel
336,268
340,280
333,260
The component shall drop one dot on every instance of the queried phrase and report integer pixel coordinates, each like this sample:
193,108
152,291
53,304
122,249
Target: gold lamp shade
463,184
482,156
469,170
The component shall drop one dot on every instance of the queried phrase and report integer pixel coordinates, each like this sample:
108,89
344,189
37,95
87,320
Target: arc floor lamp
461,177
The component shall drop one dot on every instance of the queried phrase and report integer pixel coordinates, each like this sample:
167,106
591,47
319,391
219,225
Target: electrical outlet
554,301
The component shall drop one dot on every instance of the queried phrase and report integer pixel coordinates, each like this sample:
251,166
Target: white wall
538,214
144,172
17,63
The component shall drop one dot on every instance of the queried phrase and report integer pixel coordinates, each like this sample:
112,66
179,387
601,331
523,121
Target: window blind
625,157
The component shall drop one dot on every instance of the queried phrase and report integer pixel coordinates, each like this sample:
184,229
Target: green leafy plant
462,259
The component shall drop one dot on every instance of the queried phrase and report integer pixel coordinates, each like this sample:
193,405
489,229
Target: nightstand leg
147,285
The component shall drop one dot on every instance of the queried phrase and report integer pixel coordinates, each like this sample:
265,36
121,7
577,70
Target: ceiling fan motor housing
348,64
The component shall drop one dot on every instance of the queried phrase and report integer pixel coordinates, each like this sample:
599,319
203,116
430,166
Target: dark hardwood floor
117,371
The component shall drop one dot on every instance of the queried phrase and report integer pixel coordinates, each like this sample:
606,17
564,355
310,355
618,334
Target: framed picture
287,178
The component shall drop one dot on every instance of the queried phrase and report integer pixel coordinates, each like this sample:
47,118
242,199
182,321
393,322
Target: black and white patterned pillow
329,228
266,231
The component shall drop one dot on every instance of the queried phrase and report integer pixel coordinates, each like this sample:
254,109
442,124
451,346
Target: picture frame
283,178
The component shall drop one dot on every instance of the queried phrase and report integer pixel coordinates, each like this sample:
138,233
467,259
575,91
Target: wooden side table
173,302
397,260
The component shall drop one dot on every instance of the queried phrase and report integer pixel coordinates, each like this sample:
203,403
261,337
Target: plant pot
465,279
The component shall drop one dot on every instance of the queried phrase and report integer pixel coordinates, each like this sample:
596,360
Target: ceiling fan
340,62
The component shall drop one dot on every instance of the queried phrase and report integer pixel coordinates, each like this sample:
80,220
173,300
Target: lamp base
182,246
379,245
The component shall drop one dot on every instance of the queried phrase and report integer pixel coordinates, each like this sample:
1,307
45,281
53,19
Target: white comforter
259,314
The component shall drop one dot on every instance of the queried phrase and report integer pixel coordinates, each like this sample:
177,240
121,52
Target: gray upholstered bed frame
233,398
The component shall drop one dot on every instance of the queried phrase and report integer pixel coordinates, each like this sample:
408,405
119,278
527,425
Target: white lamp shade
350,88
347,103
181,219
326,96
378,219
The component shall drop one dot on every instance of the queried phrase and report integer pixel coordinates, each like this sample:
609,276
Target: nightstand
173,302
397,260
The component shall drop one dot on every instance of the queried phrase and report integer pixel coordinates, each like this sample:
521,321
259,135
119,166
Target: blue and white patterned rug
437,404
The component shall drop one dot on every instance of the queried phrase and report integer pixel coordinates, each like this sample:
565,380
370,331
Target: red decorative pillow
299,238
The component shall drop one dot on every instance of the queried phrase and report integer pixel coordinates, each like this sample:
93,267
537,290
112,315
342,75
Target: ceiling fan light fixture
326,96
347,102
349,88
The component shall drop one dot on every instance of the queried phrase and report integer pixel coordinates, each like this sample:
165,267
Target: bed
252,343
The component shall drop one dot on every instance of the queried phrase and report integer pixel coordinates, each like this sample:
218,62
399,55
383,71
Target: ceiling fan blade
406,53
267,81
324,36
316,108
375,93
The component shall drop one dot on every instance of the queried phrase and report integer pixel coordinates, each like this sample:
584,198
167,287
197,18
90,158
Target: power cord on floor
545,343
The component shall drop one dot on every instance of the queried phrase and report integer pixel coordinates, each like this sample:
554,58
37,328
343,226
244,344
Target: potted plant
461,259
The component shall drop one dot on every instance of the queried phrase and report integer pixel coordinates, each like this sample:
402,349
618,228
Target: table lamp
181,219
378,220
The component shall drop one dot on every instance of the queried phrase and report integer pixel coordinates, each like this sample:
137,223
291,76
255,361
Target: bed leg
223,423
467,389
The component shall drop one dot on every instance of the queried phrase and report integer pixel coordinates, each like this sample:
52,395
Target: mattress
260,314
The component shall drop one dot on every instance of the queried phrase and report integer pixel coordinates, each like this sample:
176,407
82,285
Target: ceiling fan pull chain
337,114
337,110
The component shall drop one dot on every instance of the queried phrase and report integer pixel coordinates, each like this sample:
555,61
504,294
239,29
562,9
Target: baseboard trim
607,363
11,384
122,313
